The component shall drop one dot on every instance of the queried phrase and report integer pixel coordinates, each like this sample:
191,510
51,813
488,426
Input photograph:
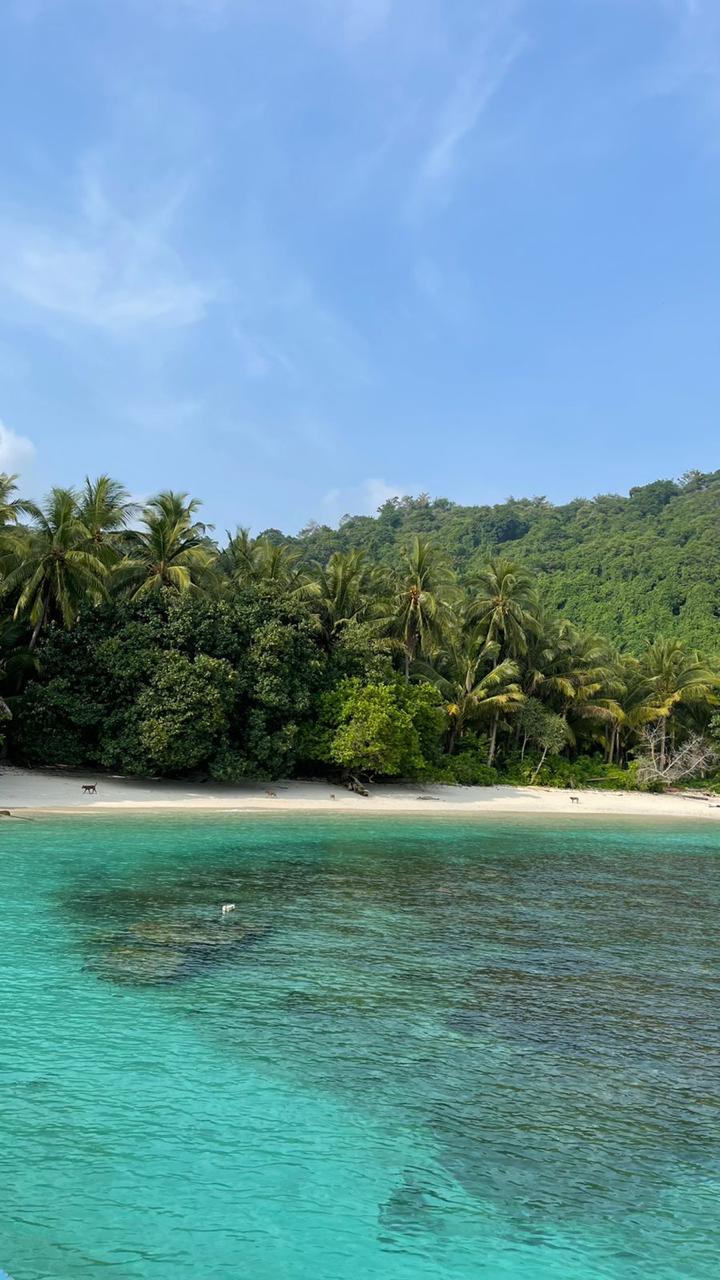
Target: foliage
524,641
470,770
170,684
392,730
559,771
630,568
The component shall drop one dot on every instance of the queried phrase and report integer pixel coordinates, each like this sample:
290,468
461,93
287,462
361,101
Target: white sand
45,789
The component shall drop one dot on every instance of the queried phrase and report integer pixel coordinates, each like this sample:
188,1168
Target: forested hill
629,567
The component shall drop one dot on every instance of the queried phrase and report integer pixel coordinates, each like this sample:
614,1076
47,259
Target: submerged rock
140,965
157,951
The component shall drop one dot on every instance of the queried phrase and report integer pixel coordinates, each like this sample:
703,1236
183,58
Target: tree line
132,639
633,566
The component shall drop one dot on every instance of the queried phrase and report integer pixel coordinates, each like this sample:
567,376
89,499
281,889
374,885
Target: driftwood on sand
354,784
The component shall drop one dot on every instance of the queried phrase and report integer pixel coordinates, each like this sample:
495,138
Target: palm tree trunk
451,737
410,650
493,737
38,627
542,761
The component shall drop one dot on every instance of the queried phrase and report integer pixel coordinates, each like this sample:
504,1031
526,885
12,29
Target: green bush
558,771
469,771
392,730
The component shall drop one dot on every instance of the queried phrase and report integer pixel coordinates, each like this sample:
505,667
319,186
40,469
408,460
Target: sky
298,256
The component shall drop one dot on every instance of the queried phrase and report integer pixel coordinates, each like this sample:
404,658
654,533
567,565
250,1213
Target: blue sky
298,255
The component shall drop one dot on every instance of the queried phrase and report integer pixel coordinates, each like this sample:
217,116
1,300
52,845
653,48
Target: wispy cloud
691,66
104,269
16,451
467,102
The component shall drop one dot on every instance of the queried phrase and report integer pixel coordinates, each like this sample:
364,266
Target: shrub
558,771
393,730
469,771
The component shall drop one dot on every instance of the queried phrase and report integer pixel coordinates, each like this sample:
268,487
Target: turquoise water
432,1049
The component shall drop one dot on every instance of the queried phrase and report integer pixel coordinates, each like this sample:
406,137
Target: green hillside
629,567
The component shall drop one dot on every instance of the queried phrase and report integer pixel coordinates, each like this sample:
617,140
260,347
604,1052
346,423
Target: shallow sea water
418,1050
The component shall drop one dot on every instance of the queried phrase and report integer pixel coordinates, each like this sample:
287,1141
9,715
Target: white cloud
16,451
465,105
362,499
107,270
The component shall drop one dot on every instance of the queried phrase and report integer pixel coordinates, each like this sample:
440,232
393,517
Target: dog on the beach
89,789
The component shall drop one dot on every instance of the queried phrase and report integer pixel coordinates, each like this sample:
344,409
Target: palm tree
340,591
472,693
631,704
677,678
571,670
105,509
421,608
11,509
502,606
172,550
277,562
237,560
55,571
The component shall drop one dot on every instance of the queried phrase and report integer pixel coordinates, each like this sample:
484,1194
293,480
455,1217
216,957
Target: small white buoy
227,907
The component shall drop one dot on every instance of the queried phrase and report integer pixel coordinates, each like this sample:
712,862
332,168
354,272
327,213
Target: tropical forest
523,642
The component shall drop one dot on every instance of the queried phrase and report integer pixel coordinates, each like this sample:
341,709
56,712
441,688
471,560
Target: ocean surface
419,1049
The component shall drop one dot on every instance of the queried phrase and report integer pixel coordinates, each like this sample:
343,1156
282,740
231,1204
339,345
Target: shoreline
40,791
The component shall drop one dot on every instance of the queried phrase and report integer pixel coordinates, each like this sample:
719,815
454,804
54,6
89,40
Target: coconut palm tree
277,563
502,606
421,609
630,703
55,571
678,678
573,672
237,559
474,689
105,508
340,591
172,549
11,508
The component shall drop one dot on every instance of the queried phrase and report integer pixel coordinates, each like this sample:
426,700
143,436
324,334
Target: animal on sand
89,788
271,794
574,799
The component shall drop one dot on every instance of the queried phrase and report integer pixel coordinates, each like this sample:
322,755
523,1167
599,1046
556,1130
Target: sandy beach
56,790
